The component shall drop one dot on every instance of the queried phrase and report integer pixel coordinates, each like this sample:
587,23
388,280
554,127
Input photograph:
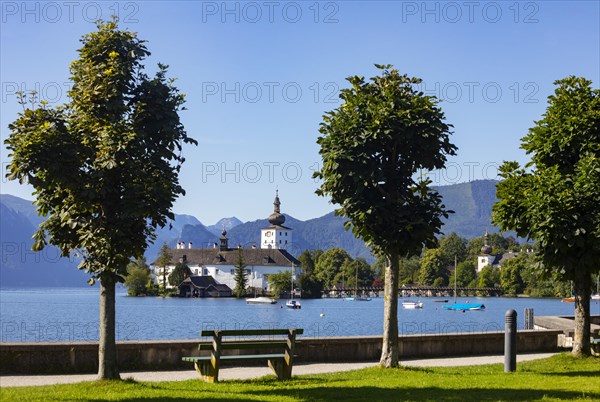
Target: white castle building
219,262
493,260
276,235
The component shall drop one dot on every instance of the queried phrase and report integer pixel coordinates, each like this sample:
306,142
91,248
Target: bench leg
282,370
207,371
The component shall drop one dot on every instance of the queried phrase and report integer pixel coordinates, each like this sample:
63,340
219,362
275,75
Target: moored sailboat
291,303
462,306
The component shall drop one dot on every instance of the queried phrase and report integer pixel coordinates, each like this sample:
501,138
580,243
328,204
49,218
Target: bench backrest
251,332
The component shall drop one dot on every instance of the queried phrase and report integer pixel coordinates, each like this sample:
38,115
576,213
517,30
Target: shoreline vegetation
561,377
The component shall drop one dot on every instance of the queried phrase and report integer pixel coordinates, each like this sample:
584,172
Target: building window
205,271
286,233
248,271
286,242
232,272
195,272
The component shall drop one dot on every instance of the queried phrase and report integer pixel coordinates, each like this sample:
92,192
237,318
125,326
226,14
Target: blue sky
260,75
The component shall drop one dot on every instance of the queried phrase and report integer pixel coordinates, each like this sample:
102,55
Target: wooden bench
280,363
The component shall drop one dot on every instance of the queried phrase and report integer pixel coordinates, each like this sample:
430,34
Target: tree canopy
179,274
555,198
240,277
138,278
105,165
329,265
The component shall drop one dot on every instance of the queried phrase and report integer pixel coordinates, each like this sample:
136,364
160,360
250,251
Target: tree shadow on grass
420,394
326,393
573,374
379,394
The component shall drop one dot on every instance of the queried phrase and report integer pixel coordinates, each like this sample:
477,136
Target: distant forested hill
19,266
472,205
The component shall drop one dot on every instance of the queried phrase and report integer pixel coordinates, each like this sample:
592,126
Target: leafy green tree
453,246
488,277
179,274
240,277
280,283
409,269
433,266
307,261
311,287
511,279
353,269
164,260
555,198
105,165
537,283
329,265
373,147
378,267
138,277
466,272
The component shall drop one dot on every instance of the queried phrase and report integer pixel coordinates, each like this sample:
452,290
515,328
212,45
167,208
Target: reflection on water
59,314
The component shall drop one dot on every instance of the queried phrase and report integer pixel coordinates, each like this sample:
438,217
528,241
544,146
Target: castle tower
486,257
224,246
276,235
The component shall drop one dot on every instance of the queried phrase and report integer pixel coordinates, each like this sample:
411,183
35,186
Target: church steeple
276,235
486,249
276,218
224,241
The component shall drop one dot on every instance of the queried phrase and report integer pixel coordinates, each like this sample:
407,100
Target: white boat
261,300
412,305
294,304
358,298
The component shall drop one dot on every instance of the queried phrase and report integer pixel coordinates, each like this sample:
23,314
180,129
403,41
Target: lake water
61,314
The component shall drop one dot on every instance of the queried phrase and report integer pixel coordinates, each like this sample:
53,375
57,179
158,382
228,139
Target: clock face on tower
268,234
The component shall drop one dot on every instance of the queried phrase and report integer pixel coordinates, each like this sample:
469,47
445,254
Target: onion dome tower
224,246
485,258
486,248
276,235
276,218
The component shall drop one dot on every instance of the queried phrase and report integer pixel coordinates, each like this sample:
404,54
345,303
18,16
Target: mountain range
19,266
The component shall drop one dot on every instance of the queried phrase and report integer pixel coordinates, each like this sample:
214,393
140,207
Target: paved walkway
243,373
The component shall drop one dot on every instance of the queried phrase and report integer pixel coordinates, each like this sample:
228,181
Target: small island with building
213,270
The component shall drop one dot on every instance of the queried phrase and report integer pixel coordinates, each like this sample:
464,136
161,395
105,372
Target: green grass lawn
561,377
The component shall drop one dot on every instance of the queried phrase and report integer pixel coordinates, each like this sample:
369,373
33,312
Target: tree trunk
389,350
581,340
107,350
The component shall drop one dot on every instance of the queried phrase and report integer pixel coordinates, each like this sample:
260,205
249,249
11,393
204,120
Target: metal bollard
529,318
510,341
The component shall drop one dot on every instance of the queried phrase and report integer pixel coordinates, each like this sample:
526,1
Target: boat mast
455,275
292,281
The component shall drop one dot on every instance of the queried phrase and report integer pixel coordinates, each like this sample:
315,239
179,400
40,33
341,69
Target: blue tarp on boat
465,306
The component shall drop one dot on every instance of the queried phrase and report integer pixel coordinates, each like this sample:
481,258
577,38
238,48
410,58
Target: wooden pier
414,291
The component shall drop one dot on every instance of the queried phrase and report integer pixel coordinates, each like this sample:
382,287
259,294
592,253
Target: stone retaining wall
82,357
